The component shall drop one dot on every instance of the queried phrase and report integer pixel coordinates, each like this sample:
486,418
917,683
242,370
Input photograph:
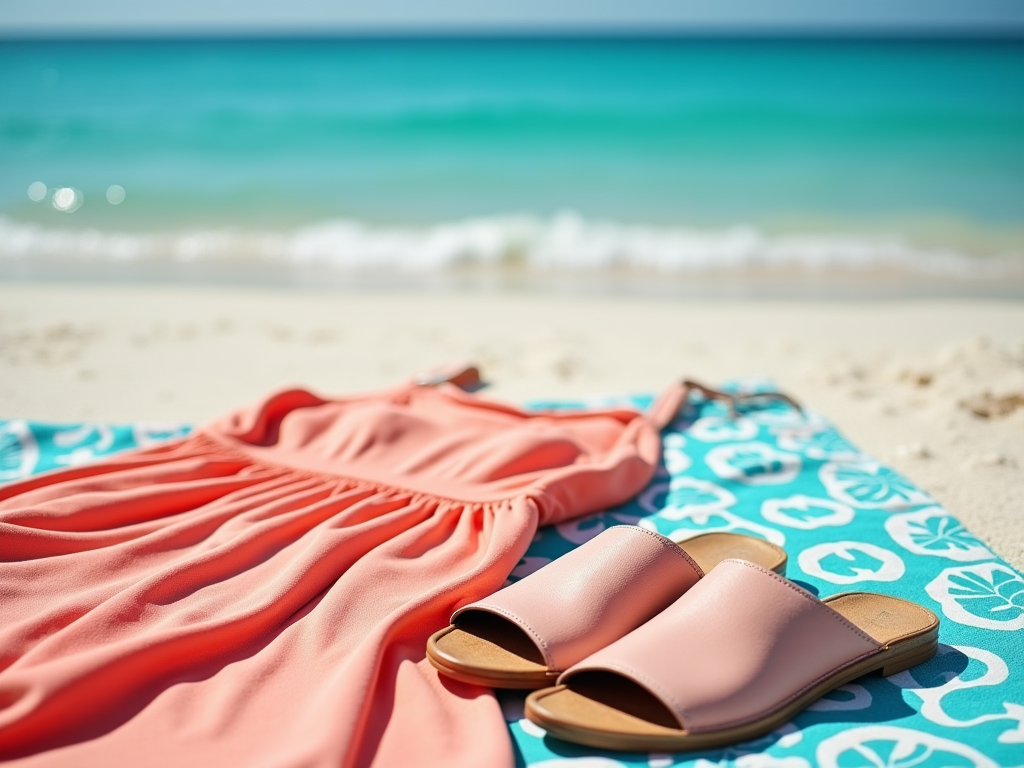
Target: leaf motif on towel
986,595
932,531
869,484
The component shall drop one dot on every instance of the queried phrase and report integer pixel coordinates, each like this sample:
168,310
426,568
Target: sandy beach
933,387
205,207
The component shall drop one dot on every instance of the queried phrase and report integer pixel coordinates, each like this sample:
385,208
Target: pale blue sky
19,17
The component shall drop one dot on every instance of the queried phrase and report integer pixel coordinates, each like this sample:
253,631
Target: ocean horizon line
796,34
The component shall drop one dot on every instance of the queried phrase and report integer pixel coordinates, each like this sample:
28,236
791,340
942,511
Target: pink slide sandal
525,635
737,656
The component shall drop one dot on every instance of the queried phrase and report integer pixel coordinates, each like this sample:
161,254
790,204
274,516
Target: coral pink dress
260,593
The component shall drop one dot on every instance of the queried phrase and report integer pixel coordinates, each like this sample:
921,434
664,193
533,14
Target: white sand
893,375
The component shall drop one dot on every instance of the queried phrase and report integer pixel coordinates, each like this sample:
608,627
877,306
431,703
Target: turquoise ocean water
675,155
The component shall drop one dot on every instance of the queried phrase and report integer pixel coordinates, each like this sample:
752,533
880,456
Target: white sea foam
562,243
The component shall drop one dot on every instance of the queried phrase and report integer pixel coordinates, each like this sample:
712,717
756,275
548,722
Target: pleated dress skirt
260,593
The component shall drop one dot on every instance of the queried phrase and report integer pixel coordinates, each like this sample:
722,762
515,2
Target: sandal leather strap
736,647
594,594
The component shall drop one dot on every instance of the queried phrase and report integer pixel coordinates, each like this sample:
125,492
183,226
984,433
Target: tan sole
631,719
472,658
483,649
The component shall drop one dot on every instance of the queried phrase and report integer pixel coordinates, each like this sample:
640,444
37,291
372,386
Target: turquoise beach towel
848,523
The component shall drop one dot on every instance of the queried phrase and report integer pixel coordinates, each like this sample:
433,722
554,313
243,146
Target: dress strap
672,400
465,376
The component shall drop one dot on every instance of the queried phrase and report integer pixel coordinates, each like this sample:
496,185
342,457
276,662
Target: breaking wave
562,243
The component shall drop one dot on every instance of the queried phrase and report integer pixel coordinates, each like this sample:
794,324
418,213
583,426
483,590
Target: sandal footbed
709,549
607,711
486,649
